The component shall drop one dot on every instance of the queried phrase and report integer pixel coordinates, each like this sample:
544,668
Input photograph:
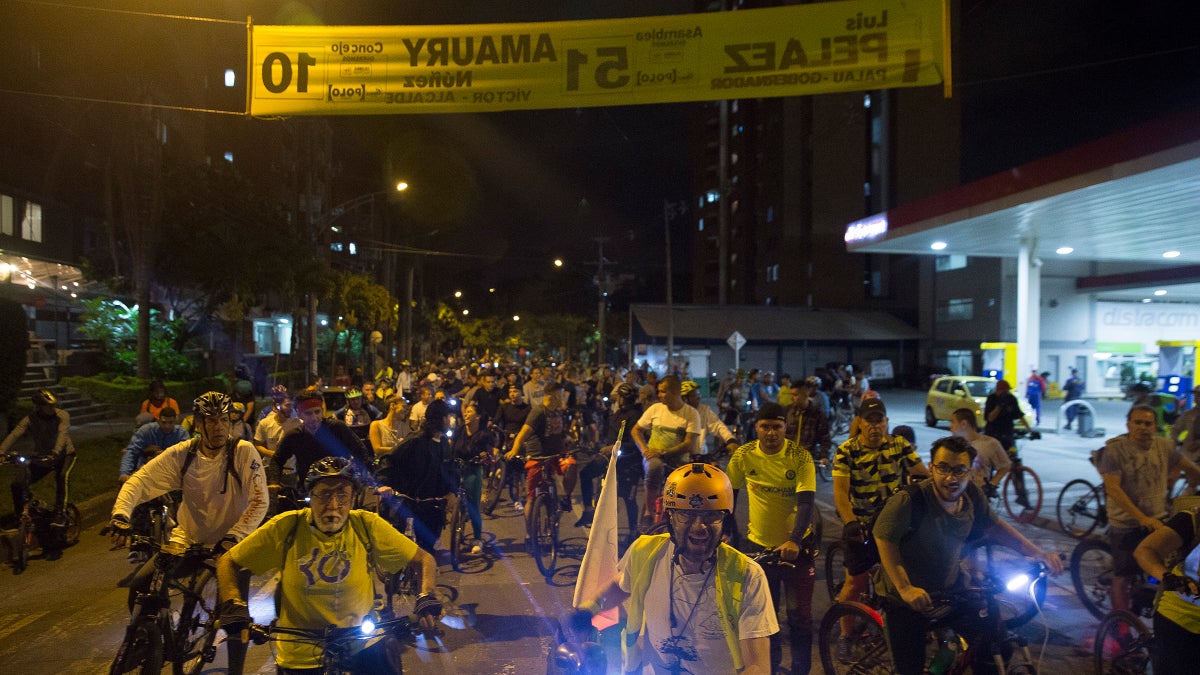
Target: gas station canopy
1131,197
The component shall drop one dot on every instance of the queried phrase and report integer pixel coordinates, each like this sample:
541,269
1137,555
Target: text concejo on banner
783,51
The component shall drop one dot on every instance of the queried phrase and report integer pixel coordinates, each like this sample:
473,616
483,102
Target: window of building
712,196
336,247
230,77
944,263
31,222
770,214
957,309
6,215
229,157
700,223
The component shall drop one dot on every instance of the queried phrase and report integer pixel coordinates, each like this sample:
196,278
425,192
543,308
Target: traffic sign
736,341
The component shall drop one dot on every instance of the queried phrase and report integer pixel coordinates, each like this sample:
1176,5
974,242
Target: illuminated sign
866,229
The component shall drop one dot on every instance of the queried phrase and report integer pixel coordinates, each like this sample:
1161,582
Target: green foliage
115,326
14,341
125,392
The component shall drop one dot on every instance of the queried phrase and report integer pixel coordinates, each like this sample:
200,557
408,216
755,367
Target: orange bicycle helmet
698,486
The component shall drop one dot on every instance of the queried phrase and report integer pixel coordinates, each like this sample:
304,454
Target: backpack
978,501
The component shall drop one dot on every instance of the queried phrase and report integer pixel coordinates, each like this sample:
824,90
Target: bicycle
41,527
1091,575
174,620
1123,645
543,521
460,523
859,628
843,414
339,645
1014,490
495,475
1081,508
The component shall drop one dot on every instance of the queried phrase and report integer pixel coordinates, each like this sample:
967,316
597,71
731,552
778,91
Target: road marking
17,622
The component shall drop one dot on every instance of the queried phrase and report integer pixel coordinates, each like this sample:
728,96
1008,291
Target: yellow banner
782,51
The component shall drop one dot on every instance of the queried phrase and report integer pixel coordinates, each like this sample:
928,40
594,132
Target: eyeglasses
947,470
684,518
326,497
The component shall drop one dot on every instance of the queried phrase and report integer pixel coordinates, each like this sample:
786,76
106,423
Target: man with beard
319,437
693,604
921,532
328,556
224,494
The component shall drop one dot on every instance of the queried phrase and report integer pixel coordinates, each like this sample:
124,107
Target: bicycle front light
367,627
1017,583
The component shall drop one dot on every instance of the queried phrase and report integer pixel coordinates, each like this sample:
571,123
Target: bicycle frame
339,645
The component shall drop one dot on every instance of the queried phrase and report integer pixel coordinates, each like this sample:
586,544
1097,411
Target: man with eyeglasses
328,556
920,555
693,604
868,468
781,480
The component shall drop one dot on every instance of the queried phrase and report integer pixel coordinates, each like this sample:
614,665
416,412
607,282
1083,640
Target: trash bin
1085,421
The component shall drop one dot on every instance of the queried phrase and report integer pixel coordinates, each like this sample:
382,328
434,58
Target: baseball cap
872,406
770,411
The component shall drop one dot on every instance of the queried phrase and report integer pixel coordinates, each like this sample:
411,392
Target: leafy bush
115,325
127,393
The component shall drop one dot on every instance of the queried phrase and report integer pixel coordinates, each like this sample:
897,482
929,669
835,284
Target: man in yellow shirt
780,477
325,556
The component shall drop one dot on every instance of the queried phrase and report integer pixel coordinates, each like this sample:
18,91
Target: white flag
599,565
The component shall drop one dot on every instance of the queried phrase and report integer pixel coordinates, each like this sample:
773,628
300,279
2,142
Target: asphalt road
68,616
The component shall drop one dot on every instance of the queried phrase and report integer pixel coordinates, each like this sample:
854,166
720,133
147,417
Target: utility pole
604,286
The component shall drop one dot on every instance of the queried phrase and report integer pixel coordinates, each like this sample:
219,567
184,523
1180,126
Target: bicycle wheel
460,542
544,526
851,640
835,568
1000,564
195,633
1078,508
493,485
1122,645
141,652
22,542
1091,574
516,484
72,523
1033,493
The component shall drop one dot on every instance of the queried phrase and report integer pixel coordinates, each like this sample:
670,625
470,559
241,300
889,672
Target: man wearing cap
710,424
1073,388
868,468
781,480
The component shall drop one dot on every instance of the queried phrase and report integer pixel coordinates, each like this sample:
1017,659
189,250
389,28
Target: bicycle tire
1091,574
516,483
869,653
493,485
1079,508
835,568
1122,645
1008,489
74,526
544,534
141,651
21,545
1000,563
195,632
460,543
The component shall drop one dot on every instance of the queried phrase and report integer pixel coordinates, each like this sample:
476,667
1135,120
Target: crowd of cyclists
411,443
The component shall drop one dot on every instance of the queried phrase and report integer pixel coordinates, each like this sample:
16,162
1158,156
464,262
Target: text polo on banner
782,51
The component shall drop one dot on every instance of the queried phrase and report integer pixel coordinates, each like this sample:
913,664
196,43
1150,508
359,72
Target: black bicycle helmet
211,404
44,397
331,467
626,390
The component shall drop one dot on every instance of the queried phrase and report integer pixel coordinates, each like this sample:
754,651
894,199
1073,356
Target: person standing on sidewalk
1074,389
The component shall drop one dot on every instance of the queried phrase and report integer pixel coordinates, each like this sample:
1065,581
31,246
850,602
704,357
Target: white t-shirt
669,428
699,639
989,457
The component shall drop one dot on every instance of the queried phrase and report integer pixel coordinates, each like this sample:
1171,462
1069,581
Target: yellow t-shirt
325,579
772,482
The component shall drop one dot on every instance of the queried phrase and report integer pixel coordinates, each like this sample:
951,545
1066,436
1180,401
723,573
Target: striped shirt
874,474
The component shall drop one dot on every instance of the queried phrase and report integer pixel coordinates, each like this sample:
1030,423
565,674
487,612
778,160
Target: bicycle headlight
367,627
1017,583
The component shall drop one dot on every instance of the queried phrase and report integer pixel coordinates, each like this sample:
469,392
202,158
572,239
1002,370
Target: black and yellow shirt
874,474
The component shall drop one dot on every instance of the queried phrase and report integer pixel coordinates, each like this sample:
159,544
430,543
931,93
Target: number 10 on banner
278,73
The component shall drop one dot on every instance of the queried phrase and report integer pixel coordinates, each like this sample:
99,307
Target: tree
14,343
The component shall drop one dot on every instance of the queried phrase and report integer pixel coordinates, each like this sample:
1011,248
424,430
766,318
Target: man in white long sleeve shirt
224,493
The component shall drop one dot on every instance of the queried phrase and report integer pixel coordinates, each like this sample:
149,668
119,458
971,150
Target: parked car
950,393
